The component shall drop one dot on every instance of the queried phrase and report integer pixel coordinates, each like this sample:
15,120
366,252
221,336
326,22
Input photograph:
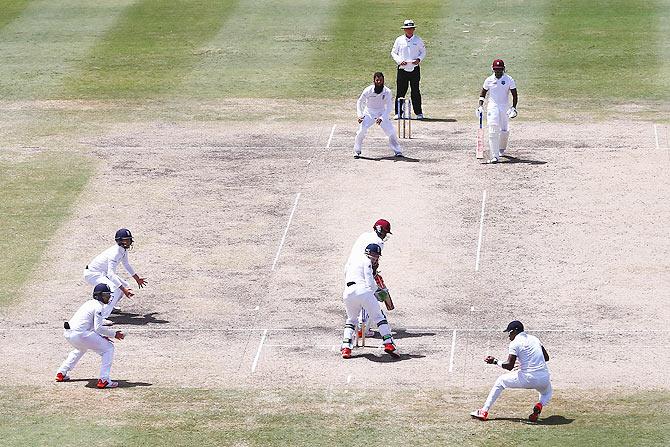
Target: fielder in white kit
533,372
102,269
500,85
85,332
361,293
375,105
379,235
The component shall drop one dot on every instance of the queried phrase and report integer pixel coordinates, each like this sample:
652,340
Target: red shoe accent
480,414
389,347
537,409
60,377
105,384
346,353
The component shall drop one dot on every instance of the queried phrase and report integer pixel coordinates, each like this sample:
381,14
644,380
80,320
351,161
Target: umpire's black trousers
405,79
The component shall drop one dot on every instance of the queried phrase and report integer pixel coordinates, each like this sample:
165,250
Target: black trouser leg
415,77
402,84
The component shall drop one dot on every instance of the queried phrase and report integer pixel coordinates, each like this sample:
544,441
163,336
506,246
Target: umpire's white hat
408,24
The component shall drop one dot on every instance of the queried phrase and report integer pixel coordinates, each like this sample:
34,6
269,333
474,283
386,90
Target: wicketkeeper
500,85
533,372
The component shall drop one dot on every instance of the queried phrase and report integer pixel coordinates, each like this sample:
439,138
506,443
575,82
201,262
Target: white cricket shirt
88,318
360,272
107,262
365,239
499,90
376,104
405,49
528,350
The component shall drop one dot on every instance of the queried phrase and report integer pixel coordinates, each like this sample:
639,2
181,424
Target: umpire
408,51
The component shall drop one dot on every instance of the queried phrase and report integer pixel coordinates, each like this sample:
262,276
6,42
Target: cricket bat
480,138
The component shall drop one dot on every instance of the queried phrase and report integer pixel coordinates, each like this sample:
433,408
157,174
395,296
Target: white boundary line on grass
288,224
481,231
258,352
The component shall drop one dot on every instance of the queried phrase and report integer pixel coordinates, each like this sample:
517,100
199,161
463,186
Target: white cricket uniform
498,103
357,251
361,295
405,50
102,269
533,372
370,106
87,332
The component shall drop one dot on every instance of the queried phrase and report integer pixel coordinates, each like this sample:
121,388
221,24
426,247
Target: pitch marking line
258,352
453,348
481,231
288,224
332,132
656,136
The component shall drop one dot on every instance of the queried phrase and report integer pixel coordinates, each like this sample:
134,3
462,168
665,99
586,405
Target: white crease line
288,224
453,348
332,132
349,379
656,136
258,353
481,231
138,330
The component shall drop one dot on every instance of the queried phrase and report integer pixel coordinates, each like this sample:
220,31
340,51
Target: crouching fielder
500,85
532,374
85,332
375,105
361,292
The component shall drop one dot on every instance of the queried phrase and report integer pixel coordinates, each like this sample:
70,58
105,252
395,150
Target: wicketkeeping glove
512,112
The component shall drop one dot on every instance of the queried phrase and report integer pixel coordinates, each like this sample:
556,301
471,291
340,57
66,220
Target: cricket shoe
419,116
117,310
60,377
537,409
493,160
399,155
102,384
346,353
357,155
480,414
390,349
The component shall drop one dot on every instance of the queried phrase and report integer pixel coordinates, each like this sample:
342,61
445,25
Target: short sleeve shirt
499,90
528,350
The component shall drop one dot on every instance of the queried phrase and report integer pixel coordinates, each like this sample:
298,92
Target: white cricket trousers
387,127
535,380
498,124
85,341
357,297
95,278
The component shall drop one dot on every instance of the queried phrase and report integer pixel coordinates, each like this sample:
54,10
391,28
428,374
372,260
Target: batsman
500,85
362,291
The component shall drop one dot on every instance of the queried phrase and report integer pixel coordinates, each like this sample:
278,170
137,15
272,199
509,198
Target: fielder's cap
514,326
383,224
408,24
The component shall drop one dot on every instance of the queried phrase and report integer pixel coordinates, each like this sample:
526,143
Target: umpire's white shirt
88,318
499,90
406,50
528,350
107,262
377,105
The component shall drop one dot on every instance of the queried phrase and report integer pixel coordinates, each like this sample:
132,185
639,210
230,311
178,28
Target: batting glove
512,112
479,112
491,360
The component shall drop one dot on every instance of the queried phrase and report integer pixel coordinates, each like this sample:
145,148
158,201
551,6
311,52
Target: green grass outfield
70,415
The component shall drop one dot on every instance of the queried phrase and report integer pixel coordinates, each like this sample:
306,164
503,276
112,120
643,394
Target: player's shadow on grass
551,420
508,159
135,319
92,383
386,358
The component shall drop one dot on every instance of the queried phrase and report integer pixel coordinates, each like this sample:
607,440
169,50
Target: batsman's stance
532,374
500,85
362,292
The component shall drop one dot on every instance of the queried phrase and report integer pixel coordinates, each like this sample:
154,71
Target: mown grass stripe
149,49
35,198
10,10
604,49
360,38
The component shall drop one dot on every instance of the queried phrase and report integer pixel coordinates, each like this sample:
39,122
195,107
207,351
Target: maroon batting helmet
498,63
